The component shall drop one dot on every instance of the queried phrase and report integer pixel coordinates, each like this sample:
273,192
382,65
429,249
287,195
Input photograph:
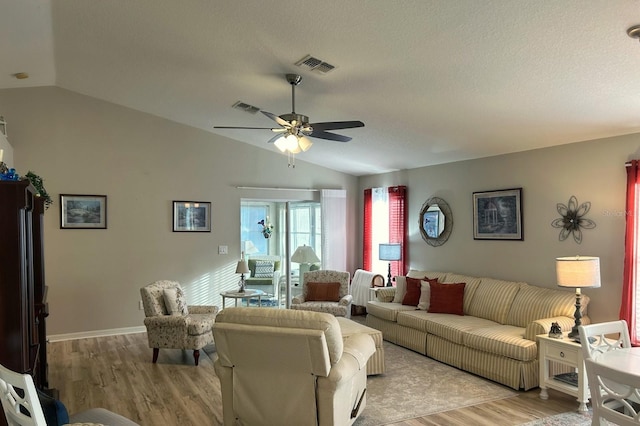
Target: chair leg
156,351
196,355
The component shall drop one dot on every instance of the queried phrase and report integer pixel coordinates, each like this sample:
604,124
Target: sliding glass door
291,224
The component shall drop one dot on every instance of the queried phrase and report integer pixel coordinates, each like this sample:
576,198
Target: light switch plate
223,250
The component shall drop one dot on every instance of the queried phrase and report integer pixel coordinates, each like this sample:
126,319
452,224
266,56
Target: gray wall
81,145
592,171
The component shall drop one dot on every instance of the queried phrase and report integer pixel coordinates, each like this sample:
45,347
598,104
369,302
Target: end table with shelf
564,351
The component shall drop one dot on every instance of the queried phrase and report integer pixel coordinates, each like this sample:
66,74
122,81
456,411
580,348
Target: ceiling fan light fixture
292,144
281,143
304,143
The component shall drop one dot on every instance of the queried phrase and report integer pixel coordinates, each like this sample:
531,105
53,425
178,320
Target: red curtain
398,232
366,243
628,305
398,226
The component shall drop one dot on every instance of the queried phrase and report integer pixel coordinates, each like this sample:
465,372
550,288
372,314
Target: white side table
247,294
567,352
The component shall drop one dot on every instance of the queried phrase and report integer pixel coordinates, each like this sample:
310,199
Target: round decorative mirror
436,221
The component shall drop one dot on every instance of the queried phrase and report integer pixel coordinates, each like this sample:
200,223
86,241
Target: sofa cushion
412,294
440,276
493,298
448,326
471,284
401,282
175,301
503,340
425,295
401,289
264,269
446,298
251,263
533,303
323,292
387,310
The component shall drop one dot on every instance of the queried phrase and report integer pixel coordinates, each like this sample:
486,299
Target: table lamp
305,256
390,252
578,272
242,269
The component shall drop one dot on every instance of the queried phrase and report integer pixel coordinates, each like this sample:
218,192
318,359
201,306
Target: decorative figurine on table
556,331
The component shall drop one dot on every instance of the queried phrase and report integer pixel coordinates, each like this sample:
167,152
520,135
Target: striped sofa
496,336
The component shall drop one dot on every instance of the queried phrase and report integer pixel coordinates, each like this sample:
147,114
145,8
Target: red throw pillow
412,296
323,292
447,298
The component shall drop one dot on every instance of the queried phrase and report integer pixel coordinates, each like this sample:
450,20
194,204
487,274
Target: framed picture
497,215
83,211
191,216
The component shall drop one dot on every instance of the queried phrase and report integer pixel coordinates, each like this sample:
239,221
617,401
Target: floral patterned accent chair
171,324
325,291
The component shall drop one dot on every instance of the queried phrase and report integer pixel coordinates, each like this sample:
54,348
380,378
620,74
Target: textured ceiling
433,81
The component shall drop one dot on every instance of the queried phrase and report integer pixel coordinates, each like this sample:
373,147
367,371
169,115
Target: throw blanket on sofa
360,286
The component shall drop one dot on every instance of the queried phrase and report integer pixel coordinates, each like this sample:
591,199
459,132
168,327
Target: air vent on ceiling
314,64
246,107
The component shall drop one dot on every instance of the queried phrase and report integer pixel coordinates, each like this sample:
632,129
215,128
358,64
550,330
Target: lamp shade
390,252
305,254
578,271
242,267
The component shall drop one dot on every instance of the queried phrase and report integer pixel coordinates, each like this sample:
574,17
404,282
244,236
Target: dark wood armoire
23,306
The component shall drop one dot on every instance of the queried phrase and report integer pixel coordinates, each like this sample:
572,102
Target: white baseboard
95,333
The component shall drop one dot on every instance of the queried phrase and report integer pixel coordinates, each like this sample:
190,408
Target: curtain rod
266,188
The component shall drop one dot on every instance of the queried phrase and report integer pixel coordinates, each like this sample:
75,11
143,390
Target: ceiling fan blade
334,125
277,119
235,127
275,138
329,136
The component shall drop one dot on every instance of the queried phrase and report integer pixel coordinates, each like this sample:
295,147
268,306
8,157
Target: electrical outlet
140,306
223,250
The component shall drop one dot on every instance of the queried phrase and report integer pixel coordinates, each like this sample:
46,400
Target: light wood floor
116,373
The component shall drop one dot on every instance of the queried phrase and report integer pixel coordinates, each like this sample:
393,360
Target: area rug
416,386
572,418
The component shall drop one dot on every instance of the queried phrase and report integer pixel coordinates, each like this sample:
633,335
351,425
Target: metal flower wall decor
572,220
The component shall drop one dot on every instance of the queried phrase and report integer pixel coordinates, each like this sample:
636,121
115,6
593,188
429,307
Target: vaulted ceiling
434,81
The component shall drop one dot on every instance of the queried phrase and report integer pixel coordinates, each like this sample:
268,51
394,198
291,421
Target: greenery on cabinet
38,184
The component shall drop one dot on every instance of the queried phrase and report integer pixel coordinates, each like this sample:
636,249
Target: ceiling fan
294,128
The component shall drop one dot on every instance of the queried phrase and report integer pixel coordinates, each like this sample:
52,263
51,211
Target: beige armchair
316,297
278,366
171,323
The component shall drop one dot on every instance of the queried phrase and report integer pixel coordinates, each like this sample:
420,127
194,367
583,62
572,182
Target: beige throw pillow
175,301
425,295
401,289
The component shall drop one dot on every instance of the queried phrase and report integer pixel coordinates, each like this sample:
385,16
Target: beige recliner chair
279,366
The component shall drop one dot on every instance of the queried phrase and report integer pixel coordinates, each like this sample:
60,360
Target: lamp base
241,284
577,315
389,284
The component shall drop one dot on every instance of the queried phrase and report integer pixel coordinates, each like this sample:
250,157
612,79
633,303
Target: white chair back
20,410
614,394
595,342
